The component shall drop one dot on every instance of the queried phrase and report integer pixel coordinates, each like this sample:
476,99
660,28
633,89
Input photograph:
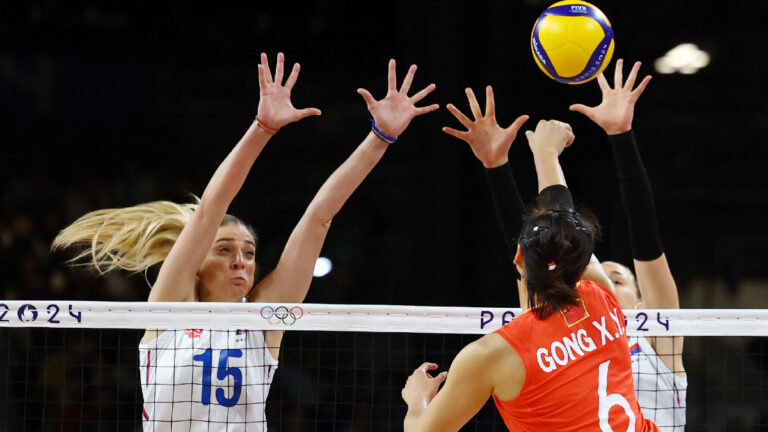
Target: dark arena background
105,105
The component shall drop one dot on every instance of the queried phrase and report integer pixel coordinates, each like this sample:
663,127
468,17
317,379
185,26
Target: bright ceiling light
323,266
686,58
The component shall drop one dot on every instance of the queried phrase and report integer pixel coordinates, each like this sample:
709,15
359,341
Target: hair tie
551,265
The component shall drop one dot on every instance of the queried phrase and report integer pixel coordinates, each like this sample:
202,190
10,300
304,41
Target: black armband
509,206
557,195
636,197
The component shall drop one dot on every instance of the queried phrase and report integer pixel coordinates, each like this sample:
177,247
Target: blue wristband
380,134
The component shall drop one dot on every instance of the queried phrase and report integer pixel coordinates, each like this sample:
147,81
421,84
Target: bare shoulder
499,362
493,344
489,350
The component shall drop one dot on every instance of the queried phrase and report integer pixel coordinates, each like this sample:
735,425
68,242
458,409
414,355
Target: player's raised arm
615,114
547,143
490,144
290,280
176,279
181,236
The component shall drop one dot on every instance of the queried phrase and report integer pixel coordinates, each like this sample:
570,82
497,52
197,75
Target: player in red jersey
564,364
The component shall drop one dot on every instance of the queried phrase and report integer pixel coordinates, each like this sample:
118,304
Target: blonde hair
132,238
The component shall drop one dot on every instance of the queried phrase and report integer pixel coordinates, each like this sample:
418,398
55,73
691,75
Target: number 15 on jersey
223,372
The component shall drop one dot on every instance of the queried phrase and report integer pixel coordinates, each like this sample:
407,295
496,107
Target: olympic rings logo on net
282,314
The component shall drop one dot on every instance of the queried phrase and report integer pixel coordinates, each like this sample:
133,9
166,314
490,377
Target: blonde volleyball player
657,362
201,380
562,365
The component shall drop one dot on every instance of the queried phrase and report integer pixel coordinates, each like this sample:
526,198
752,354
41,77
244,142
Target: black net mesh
83,380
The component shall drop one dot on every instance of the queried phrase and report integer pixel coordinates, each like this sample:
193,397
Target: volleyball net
79,365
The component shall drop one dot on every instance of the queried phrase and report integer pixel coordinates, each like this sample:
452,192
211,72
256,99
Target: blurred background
109,105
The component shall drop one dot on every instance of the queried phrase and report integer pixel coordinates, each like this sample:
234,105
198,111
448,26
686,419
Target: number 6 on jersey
607,401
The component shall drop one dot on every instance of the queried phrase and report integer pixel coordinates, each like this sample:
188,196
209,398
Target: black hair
557,244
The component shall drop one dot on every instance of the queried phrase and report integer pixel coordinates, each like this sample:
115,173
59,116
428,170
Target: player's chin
238,291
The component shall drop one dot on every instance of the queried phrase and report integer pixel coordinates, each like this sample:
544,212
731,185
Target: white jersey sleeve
659,391
203,380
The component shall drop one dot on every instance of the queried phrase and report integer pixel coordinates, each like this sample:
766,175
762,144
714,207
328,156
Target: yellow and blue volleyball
572,41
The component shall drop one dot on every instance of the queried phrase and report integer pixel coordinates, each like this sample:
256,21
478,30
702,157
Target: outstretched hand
489,142
615,112
394,113
275,108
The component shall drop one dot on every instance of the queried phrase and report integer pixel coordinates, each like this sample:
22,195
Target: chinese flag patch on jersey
575,314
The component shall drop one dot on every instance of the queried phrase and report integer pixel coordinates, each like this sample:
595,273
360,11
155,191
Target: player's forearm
229,177
508,204
548,169
346,179
177,273
412,422
292,277
636,197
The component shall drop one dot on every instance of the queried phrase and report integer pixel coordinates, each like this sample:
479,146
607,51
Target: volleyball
572,41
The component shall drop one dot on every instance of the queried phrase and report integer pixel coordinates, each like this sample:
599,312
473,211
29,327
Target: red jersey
578,372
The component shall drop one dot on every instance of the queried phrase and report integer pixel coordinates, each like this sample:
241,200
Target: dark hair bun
557,244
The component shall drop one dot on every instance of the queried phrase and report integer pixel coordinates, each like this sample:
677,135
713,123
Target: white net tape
353,318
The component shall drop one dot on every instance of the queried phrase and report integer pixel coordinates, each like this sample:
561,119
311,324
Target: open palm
616,111
489,142
394,113
275,107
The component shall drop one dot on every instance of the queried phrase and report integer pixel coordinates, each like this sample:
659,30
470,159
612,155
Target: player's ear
519,259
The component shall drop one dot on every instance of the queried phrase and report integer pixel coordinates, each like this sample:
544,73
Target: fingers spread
473,105
265,66
426,109
641,88
455,133
603,83
490,103
632,77
464,120
279,69
579,108
518,123
408,80
391,77
262,81
618,74
306,112
423,93
291,81
369,100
